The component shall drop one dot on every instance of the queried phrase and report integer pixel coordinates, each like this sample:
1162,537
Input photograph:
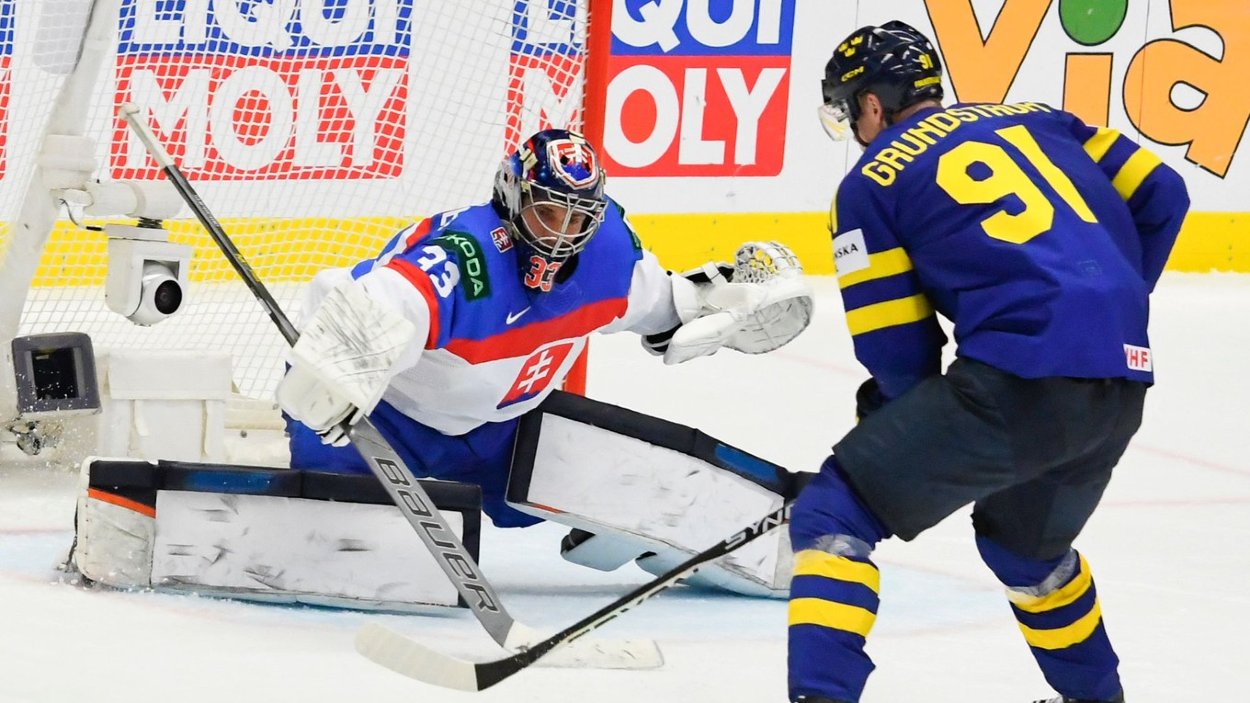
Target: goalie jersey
1038,236
492,348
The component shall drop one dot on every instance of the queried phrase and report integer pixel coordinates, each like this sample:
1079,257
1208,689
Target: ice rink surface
1170,551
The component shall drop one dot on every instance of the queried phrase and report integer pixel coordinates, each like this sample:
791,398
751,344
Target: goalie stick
414,660
407,494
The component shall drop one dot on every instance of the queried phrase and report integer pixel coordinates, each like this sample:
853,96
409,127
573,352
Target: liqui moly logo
6,58
242,89
698,88
545,74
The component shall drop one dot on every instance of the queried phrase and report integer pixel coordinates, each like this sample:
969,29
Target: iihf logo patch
500,237
1138,358
573,162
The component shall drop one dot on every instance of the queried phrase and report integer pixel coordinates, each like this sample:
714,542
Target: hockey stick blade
404,489
416,661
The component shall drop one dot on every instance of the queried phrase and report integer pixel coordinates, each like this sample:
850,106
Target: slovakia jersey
490,348
1037,236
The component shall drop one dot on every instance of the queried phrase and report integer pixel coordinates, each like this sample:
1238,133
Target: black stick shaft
491,673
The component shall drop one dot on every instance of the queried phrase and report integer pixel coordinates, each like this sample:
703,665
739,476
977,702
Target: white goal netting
314,129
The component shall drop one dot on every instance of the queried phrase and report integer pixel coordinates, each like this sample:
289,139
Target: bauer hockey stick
416,661
404,489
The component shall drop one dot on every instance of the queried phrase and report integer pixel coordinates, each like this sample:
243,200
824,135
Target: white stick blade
392,650
589,653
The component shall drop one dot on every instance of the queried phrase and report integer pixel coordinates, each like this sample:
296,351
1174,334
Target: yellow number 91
1006,178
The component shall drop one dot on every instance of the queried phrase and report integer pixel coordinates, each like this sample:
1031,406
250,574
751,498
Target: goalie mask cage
314,129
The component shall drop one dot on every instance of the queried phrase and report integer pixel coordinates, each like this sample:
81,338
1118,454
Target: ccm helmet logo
852,73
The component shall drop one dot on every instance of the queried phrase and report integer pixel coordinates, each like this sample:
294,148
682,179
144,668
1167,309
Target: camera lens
168,297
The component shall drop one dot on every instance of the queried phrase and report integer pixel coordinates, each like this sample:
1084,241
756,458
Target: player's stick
415,660
408,495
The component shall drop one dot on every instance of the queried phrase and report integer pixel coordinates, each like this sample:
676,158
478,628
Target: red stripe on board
421,282
524,340
121,502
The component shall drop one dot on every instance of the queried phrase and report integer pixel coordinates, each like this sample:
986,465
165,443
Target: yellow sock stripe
1134,171
1055,599
813,562
1062,637
836,616
888,314
1098,145
890,262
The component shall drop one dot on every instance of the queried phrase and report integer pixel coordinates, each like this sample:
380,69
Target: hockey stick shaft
408,495
416,661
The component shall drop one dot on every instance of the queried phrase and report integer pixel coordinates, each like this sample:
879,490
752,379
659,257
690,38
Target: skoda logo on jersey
573,163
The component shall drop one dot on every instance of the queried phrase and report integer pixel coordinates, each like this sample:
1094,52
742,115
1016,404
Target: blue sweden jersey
1039,237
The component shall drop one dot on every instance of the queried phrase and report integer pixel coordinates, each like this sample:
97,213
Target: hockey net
314,129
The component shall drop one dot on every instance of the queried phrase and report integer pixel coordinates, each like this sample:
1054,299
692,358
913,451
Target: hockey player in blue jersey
1040,239
470,318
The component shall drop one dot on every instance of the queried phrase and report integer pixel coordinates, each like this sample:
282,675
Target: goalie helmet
895,62
550,195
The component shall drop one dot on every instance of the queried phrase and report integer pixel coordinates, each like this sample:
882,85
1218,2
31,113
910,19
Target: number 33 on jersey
1009,220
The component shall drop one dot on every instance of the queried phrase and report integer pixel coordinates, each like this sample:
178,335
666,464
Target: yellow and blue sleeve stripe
885,294
1155,193
891,320
1125,164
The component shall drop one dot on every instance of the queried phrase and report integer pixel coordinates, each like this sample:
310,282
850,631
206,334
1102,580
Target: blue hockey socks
1056,605
833,597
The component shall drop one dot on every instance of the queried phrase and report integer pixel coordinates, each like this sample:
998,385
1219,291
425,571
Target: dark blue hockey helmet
895,62
550,193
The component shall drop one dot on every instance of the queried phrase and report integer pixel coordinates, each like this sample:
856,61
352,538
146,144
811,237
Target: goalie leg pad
645,486
263,534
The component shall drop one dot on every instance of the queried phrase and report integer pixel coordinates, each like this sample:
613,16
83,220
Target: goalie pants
482,456
1032,455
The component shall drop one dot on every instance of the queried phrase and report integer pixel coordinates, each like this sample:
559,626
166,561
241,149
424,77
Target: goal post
316,128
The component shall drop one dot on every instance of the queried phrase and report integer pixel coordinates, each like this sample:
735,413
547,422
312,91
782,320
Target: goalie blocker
265,534
638,488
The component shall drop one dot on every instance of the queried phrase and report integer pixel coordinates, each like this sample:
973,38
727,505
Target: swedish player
1040,238
470,318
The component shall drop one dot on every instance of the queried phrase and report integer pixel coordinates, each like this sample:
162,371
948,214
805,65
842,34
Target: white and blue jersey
494,348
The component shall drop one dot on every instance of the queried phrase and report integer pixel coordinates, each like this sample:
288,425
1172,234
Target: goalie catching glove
344,360
757,305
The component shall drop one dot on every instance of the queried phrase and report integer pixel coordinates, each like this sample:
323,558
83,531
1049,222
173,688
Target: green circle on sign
1091,22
